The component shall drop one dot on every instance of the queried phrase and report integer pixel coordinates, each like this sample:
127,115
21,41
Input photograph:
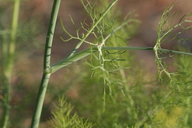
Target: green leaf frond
63,117
166,33
184,73
90,31
108,29
111,67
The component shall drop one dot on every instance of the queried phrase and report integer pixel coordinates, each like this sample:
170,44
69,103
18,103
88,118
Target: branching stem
87,52
47,59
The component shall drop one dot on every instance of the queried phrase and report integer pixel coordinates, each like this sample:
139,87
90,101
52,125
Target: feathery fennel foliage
183,86
63,117
166,33
113,96
176,110
113,92
109,68
175,93
108,29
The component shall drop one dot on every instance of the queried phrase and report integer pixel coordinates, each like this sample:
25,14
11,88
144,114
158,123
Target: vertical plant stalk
8,64
46,66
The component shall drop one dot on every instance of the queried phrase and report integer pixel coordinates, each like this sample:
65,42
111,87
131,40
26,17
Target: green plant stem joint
48,70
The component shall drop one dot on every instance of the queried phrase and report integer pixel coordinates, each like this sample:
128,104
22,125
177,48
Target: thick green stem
50,34
8,63
40,100
47,72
